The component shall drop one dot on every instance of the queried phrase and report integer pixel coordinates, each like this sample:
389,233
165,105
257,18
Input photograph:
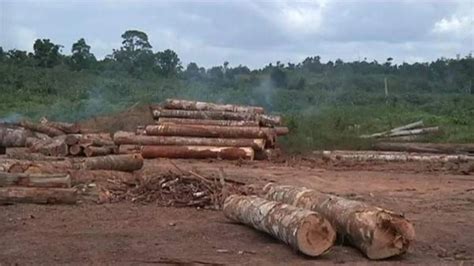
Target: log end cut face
315,236
391,237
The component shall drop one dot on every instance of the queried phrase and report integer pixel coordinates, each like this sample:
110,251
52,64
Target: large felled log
281,131
129,149
207,106
122,137
98,139
91,151
211,131
37,167
198,152
34,180
188,121
425,147
401,128
50,131
122,162
56,147
10,195
13,137
69,128
377,232
267,120
393,156
411,132
304,230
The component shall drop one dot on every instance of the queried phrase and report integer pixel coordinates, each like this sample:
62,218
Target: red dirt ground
439,202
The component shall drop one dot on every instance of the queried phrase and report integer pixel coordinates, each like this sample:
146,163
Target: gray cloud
253,33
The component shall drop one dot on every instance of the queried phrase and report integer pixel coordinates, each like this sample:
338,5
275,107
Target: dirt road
439,203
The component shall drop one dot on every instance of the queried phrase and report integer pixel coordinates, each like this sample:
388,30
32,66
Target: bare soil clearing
437,199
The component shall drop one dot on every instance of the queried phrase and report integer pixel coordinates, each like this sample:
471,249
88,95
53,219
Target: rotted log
68,128
35,180
212,131
198,152
188,121
122,162
91,151
447,148
50,131
129,149
377,232
101,176
207,106
10,195
122,137
304,230
13,137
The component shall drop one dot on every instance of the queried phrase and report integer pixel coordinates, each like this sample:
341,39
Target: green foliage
46,53
81,57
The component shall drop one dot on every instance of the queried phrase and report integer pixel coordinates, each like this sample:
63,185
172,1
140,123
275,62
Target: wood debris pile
409,132
190,129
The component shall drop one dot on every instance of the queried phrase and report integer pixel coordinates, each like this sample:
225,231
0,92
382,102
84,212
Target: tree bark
122,137
50,131
207,106
425,147
198,152
68,128
129,149
91,151
188,121
34,180
13,137
378,233
212,131
10,195
393,156
123,162
304,230
55,147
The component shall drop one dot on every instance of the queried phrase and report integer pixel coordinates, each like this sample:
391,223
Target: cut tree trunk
266,120
198,152
129,149
91,151
393,156
304,230
9,195
378,233
207,106
122,162
99,139
50,131
212,131
76,150
13,137
68,128
34,180
55,147
101,176
425,147
122,137
188,121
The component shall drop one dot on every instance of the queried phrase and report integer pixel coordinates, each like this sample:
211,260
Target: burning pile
189,129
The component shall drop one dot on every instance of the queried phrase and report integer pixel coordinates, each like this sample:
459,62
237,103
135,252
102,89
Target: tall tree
168,62
46,53
81,57
135,55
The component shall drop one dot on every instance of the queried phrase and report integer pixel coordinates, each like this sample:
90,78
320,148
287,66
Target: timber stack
199,130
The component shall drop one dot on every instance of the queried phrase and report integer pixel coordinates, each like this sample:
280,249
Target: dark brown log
122,137
212,131
50,131
34,180
91,151
13,137
101,176
76,150
198,152
129,149
378,233
68,128
304,230
3,150
425,147
207,106
187,121
122,162
10,195
265,120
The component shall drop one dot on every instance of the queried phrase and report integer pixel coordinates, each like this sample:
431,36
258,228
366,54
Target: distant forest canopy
322,102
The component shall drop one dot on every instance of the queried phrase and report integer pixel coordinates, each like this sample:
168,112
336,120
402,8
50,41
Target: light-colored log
10,195
34,180
208,106
13,137
122,162
122,137
411,132
304,230
377,232
188,121
393,156
401,128
99,139
68,128
448,148
198,152
50,131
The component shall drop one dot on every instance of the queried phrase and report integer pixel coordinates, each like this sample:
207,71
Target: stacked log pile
190,129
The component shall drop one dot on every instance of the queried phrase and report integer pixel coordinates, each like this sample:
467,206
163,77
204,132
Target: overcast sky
251,33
